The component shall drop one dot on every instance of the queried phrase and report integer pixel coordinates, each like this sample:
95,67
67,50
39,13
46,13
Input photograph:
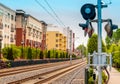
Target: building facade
7,26
55,40
70,40
30,31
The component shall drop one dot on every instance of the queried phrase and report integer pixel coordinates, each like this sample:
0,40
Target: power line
47,11
54,13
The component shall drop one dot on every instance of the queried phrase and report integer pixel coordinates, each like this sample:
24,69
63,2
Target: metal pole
99,41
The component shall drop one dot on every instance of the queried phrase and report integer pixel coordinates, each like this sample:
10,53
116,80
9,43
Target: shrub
56,55
104,77
16,52
41,55
48,54
29,55
10,54
91,81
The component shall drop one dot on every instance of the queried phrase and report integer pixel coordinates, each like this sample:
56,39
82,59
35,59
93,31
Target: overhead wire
47,12
54,13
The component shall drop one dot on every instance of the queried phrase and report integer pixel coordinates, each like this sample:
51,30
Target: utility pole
99,41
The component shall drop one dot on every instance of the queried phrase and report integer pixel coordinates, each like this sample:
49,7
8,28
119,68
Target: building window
12,17
15,18
29,32
56,34
56,45
5,36
11,39
60,39
5,25
12,29
56,40
8,15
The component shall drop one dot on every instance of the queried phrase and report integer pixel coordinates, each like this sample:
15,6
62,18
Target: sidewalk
114,76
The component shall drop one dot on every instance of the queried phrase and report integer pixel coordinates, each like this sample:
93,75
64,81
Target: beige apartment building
7,26
56,40
30,31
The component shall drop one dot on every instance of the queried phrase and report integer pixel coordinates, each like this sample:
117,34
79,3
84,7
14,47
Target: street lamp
22,43
0,45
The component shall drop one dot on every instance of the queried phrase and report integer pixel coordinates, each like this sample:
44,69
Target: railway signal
88,28
109,27
88,11
84,27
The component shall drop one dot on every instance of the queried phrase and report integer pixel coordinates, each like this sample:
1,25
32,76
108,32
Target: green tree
83,49
93,44
61,55
115,50
115,38
29,55
56,54
67,56
48,54
16,52
34,53
41,54
108,42
10,54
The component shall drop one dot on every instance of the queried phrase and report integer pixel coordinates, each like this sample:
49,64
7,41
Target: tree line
15,52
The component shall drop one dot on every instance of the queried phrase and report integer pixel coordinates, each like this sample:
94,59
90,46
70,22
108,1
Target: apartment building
70,40
55,40
30,31
7,26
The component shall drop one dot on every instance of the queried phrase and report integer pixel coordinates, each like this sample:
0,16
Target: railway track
50,75
12,71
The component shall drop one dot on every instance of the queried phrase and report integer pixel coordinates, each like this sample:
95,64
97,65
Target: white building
7,26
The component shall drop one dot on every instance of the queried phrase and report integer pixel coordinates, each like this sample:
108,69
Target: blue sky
68,11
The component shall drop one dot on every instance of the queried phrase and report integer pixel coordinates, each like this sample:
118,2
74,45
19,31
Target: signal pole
99,41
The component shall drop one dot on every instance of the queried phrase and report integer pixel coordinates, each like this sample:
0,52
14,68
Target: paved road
114,77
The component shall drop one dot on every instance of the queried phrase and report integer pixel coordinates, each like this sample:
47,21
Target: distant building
30,31
7,26
56,40
67,32
70,40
